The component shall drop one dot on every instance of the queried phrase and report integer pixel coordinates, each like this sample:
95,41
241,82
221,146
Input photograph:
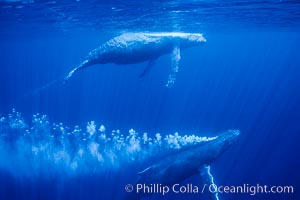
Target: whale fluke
71,73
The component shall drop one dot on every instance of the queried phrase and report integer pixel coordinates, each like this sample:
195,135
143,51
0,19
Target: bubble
56,149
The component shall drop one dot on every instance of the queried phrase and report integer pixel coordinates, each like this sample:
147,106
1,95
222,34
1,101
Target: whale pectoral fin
151,63
175,58
208,181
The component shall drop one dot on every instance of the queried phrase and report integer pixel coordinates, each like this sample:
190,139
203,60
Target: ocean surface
88,138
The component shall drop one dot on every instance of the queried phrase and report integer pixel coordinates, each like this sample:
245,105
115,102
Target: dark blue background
240,79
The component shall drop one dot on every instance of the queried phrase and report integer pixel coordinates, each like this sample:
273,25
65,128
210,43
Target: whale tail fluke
38,90
71,73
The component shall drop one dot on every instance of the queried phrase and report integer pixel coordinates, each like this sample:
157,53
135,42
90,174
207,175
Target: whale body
131,48
184,163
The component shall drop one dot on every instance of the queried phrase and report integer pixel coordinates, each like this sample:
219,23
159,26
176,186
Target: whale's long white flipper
209,181
175,58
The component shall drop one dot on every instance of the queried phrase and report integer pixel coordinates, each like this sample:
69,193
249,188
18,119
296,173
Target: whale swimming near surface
137,47
184,163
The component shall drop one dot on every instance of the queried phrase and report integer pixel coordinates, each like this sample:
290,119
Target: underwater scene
140,99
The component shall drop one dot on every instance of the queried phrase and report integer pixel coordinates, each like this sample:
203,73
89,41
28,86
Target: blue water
245,77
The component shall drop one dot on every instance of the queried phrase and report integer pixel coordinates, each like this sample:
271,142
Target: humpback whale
186,162
130,48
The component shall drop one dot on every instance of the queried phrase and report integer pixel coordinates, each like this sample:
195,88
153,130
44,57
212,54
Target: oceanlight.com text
249,189
208,188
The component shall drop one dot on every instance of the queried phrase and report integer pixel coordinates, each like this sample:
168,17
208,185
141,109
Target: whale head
184,40
196,38
225,140
190,39
220,144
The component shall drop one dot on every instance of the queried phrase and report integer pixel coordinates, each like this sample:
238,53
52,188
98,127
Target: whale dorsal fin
175,58
144,171
151,63
208,179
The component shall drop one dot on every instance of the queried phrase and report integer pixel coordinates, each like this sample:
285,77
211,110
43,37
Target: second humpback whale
184,163
130,48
